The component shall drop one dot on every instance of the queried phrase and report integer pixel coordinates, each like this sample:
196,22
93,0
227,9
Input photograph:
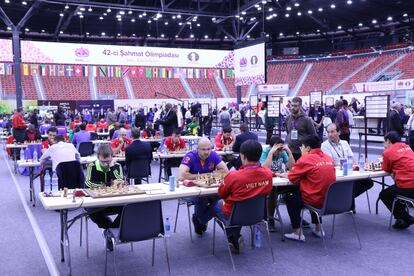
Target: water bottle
361,163
350,163
167,227
172,183
35,156
22,154
258,237
345,167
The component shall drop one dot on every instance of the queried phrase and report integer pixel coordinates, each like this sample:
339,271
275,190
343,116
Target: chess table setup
209,180
117,189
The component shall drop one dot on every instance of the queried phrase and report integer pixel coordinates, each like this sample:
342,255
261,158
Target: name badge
294,134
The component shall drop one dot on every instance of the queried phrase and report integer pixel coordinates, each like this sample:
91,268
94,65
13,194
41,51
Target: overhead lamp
105,14
122,12
81,16
118,34
320,10
148,35
108,10
374,21
333,6
149,21
90,9
287,15
280,34
179,16
264,2
288,8
349,2
248,36
66,7
174,17
7,1
9,28
360,24
103,33
26,30
389,18
198,25
206,36
405,14
191,36
144,14
296,4
299,14
129,12
180,23
176,36
119,19
61,32
24,3
140,16
87,33
133,20
162,35
339,27
61,14
310,11
82,9
100,18
133,34
270,9
259,8
165,23
243,12
226,37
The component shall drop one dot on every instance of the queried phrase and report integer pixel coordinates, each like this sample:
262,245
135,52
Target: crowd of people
304,157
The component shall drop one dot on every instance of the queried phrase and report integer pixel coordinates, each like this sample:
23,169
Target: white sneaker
318,234
295,237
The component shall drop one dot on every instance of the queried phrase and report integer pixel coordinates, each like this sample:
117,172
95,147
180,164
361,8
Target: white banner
249,65
380,86
94,54
269,88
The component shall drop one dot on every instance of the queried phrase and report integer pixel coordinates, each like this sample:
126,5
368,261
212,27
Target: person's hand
275,148
286,148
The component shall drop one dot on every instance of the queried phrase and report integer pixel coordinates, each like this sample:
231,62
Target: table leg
62,251
15,160
378,199
32,187
161,169
64,240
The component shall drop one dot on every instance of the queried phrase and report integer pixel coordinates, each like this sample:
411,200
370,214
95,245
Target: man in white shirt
410,129
338,149
60,152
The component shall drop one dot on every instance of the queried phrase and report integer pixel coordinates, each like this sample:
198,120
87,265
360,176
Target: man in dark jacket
298,125
169,122
140,119
138,150
394,122
59,117
342,120
244,135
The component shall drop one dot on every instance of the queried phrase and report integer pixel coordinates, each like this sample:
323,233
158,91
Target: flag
61,71
102,71
197,73
190,73
43,70
118,72
25,69
68,71
78,71
2,70
223,73
163,73
176,73
141,72
155,72
9,69
110,72
85,71
170,73
52,70
95,71
203,73
210,73
148,72
125,71
34,69
229,73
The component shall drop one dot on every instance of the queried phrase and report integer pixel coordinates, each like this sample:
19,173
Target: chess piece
74,197
65,192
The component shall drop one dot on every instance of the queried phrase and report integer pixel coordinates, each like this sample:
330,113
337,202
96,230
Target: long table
65,204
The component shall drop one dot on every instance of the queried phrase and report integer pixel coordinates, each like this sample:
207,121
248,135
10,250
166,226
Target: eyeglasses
205,149
105,162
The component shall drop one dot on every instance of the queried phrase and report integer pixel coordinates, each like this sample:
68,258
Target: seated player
138,150
90,127
202,160
149,131
314,172
224,139
32,134
338,149
193,127
51,134
102,173
45,126
398,160
279,159
59,152
102,126
81,136
238,186
119,144
173,143
75,122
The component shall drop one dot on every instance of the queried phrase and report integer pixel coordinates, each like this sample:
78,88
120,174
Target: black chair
404,200
248,212
94,136
338,200
139,169
86,148
139,222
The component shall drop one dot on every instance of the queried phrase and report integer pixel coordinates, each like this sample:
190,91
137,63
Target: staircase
39,87
92,83
129,89
301,80
187,87
222,87
388,66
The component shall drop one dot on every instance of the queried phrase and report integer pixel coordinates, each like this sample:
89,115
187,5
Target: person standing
224,117
394,122
137,150
317,115
169,121
59,117
81,136
140,119
298,125
19,125
410,129
398,160
342,120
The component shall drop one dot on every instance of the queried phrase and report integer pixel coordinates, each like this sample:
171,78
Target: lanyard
251,166
334,147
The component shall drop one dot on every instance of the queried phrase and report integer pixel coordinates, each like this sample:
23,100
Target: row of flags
117,71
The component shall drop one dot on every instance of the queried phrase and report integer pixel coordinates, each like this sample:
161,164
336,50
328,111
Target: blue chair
248,212
404,200
338,200
139,169
139,222
86,148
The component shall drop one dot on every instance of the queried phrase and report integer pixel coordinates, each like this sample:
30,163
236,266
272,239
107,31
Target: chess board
373,166
112,191
209,180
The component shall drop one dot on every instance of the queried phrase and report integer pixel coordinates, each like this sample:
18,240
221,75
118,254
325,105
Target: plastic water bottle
35,156
258,237
172,183
22,154
345,167
167,227
361,163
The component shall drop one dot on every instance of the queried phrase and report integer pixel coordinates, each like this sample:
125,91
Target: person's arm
184,173
386,163
118,173
298,171
222,168
217,142
291,159
45,156
182,144
224,189
88,179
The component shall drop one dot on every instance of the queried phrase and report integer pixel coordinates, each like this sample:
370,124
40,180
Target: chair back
141,221
139,168
249,212
94,136
86,148
70,175
338,198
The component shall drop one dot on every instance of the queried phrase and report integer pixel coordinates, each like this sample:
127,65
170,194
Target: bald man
199,161
119,144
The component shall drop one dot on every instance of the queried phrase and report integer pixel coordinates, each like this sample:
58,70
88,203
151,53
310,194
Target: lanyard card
294,134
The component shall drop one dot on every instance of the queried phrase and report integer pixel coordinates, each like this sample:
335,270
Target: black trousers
269,133
296,155
170,163
294,205
387,196
272,197
102,219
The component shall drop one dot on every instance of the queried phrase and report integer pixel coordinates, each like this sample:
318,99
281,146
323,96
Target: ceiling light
179,16
264,2
162,35
156,19
132,20
405,14
214,19
206,36
349,2
165,23
108,10
339,27
122,12
61,14
118,16
81,16
188,23
103,33
105,14
374,21
24,2
82,9
129,12
310,11
288,8
360,24
118,34
318,31
148,35
274,14
145,14
256,6
90,9
226,37
174,17
149,21
87,33
269,17
243,12
241,18
66,7
140,16
287,15
176,36
253,19
333,6
248,36
270,9
159,15
320,10
101,18
119,19
26,30
297,4
180,23
61,32
133,34
299,14
267,35
389,18
297,33
280,34
79,13
192,36
259,8
198,25
7,1
9,29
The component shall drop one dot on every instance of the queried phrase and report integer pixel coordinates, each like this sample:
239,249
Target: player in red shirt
398,160
225,139
119,143
75,122
314,172
249,181
102,126
90,127
19,126
173,143
47,165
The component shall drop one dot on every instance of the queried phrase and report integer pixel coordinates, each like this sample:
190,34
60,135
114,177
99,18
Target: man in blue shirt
202,160
81,136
